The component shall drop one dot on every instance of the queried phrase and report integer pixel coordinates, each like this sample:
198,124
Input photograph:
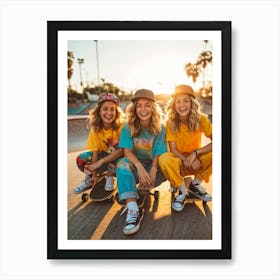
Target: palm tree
192,70
203,60
70,59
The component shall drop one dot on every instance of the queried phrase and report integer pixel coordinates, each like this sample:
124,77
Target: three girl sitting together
135,151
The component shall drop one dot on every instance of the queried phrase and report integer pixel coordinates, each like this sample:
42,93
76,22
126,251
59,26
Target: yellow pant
174,170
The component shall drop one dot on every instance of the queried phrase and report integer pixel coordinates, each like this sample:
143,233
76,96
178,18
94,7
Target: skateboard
189,198
143,195
192,198
98,193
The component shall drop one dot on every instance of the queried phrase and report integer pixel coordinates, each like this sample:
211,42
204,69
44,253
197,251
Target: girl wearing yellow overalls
186,156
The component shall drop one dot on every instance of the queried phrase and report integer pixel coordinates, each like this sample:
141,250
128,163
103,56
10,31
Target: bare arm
204,150
153,170
98,163
111,157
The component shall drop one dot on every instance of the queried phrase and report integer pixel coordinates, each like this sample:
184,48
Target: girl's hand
189,160
94,166
196,165
144,178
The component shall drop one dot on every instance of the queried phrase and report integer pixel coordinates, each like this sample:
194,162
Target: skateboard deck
191,197
98,193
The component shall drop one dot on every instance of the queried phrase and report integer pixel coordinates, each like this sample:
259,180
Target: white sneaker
83,186
110,183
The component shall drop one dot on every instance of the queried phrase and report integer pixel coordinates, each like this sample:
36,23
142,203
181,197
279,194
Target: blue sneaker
179,202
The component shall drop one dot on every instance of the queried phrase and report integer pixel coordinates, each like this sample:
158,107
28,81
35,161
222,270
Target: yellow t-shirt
104,140
187,141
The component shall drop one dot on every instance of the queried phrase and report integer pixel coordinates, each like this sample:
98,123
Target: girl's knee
83,159
163,160
80,163
123,167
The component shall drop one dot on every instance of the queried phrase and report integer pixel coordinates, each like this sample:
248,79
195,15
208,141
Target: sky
133,64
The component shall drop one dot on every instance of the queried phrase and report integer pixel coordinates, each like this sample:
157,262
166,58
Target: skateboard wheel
156,195
84,197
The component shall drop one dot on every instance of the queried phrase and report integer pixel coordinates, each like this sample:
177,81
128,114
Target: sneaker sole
78,192
134,230
109,190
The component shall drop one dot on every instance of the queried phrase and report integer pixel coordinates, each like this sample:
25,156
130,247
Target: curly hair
96,123
193,117
134,121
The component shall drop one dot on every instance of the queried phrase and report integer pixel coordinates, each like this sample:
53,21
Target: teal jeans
127,178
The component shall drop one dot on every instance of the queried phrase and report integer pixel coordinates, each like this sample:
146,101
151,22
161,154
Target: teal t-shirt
146,145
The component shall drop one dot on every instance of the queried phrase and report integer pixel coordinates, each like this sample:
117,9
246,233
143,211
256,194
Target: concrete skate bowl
78,130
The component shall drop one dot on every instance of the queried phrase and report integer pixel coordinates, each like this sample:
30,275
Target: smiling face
144,110
183,105
108,113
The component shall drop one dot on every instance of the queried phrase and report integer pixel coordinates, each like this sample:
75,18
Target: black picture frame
53,252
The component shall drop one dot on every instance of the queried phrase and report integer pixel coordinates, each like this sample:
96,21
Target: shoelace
131,216
200,188
124,210
85,183
180,198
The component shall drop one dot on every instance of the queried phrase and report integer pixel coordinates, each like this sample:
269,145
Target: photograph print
141,126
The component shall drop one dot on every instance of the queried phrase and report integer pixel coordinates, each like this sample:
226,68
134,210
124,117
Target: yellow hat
181,89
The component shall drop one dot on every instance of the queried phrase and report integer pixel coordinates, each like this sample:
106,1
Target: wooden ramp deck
101,220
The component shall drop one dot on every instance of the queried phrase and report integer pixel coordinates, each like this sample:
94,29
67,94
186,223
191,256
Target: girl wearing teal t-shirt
143,141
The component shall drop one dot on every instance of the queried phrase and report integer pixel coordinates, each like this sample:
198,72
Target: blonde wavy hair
96,123
133,120
193,117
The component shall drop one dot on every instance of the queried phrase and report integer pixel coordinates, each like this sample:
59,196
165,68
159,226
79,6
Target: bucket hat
143,93
181,89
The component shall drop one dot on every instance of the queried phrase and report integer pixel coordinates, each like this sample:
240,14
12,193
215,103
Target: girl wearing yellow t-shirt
184,128
106,122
